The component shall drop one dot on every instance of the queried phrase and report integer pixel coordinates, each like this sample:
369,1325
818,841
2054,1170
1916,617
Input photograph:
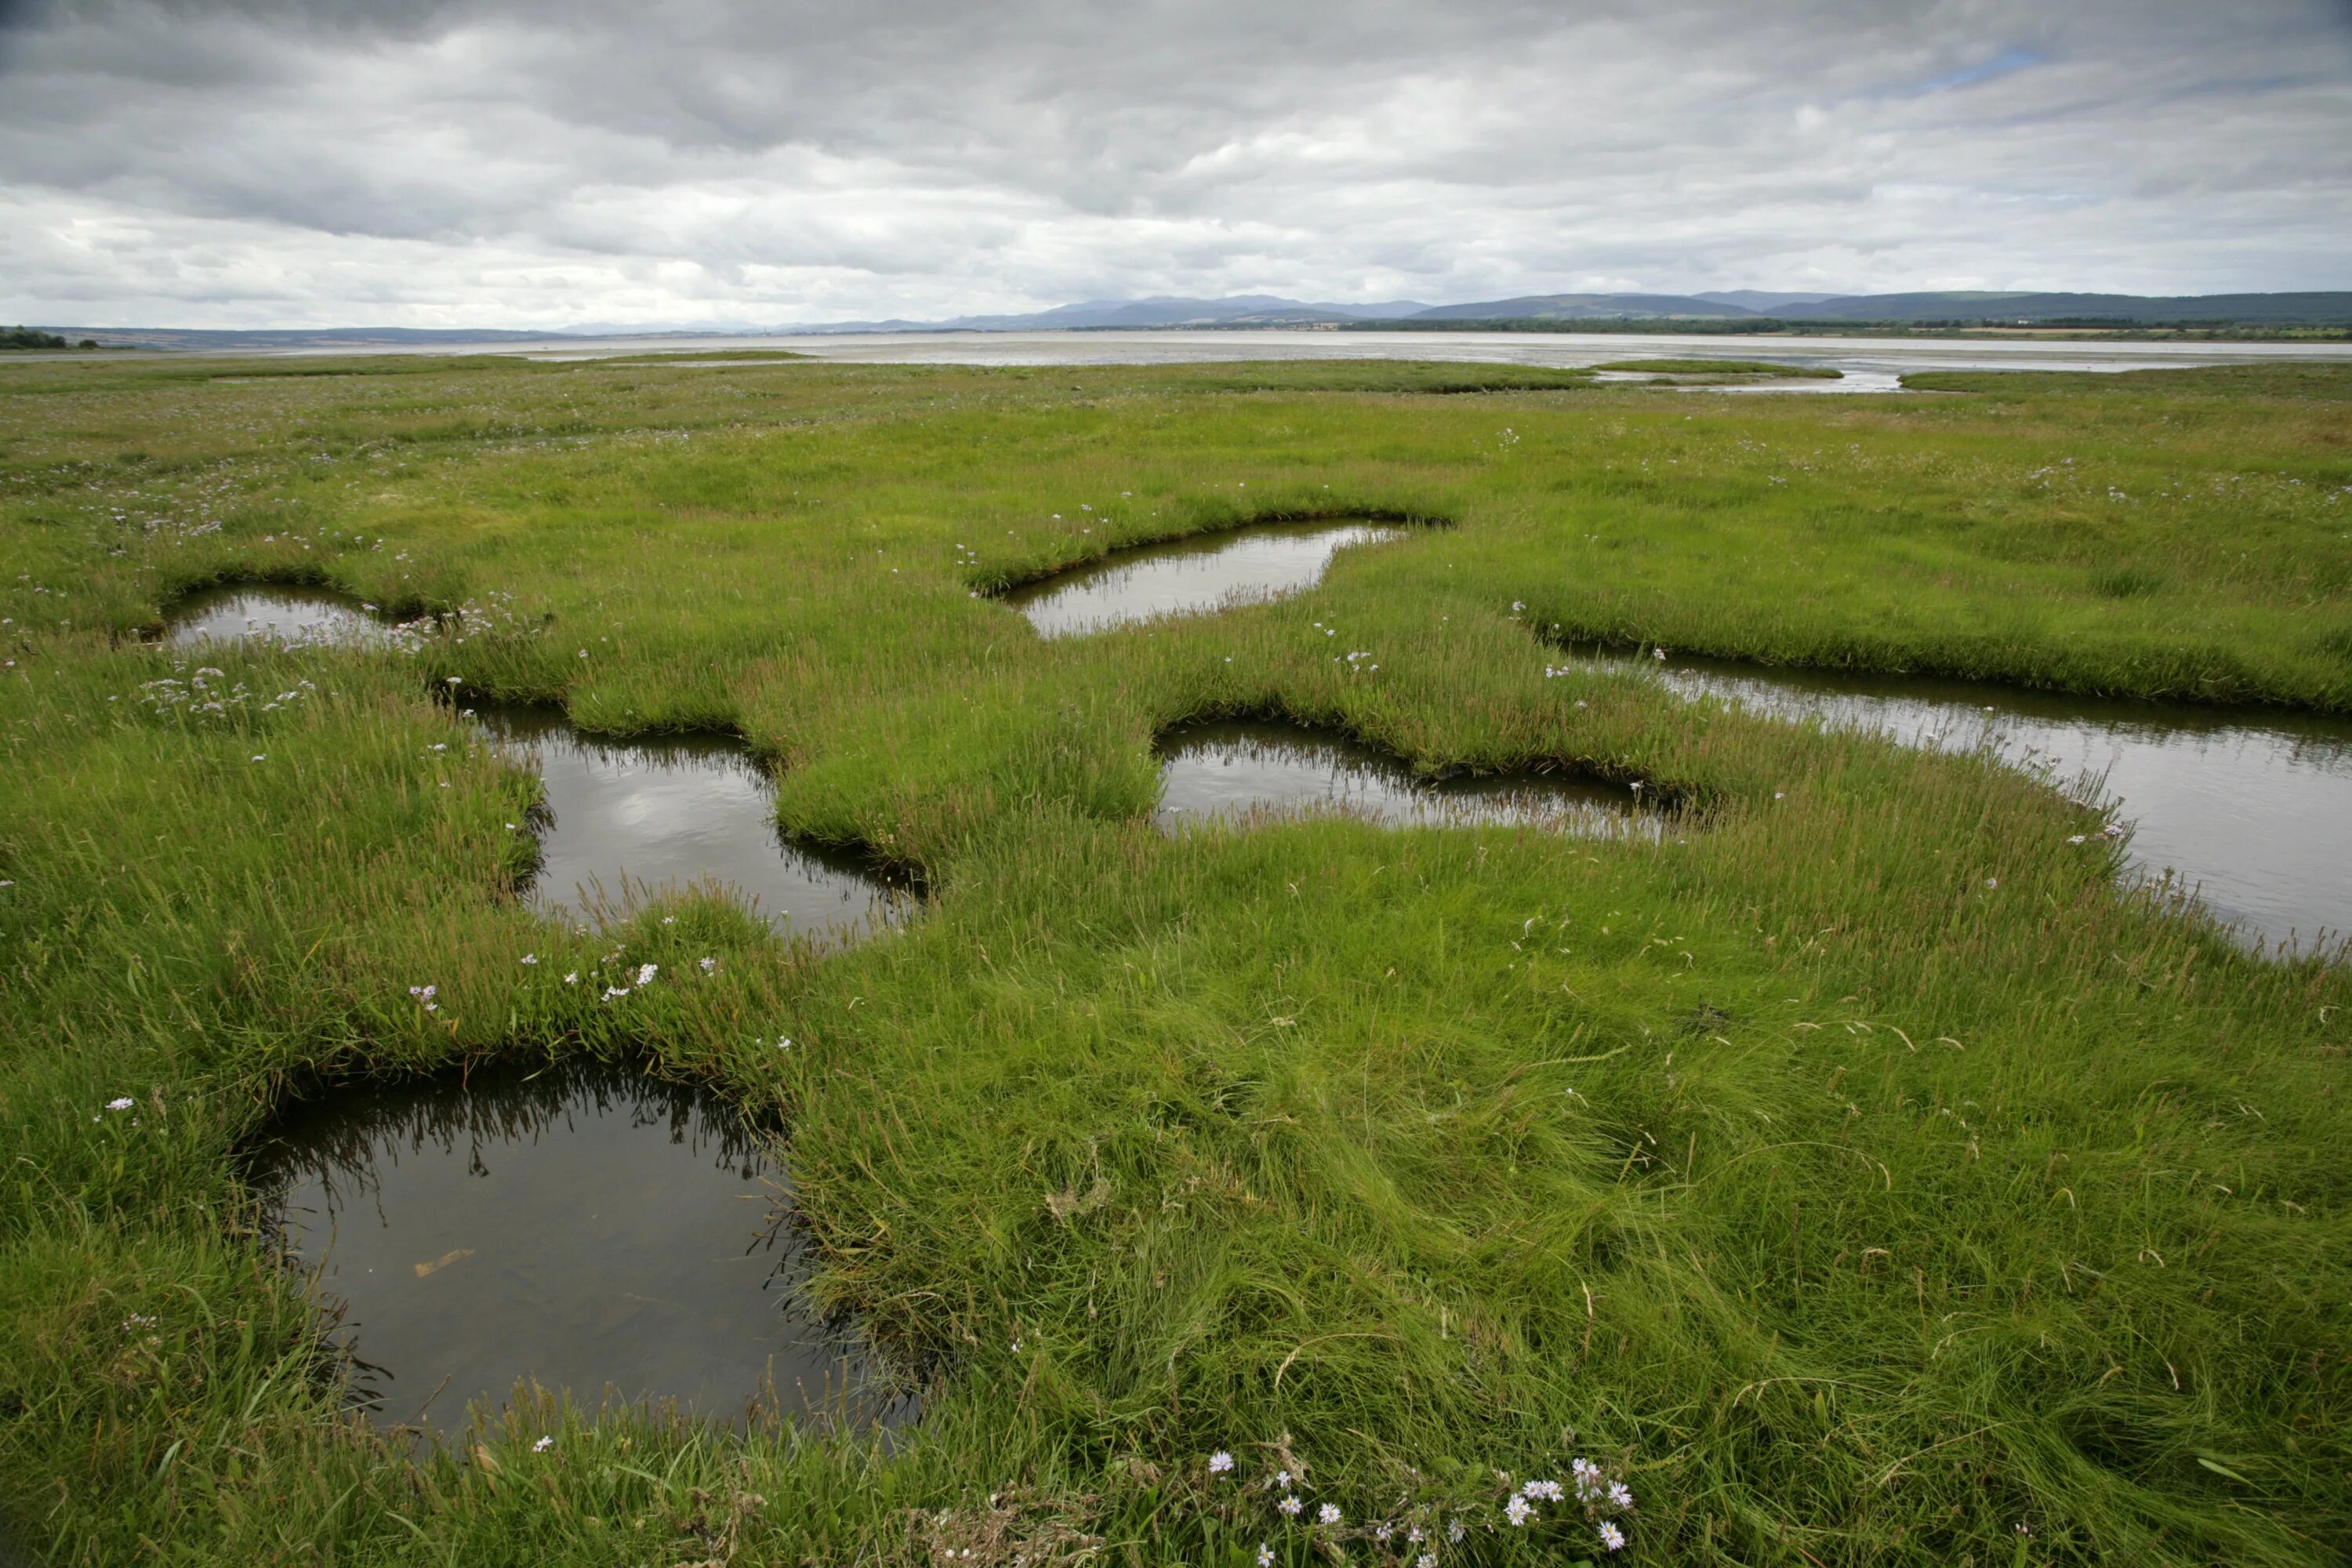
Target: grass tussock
1860,1174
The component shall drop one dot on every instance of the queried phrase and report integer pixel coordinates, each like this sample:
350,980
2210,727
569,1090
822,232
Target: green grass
1915,1186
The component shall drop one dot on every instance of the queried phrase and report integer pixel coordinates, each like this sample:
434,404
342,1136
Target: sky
547,164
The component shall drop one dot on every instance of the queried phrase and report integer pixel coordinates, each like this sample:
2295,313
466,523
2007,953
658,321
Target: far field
1860,1174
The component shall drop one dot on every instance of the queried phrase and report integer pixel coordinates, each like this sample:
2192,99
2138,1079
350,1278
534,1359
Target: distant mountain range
1707,311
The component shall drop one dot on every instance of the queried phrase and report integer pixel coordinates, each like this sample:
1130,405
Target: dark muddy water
645,817
1209,573
292,617
1229,769
2252,811
591,1230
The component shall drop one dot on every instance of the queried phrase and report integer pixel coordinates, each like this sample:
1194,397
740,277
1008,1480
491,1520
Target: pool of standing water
628,819
1209,572
1228,770
267,612
591,1230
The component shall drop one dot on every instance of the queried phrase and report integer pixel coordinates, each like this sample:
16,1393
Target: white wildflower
1611,1537
1327,1514
1290,1504
1220,1462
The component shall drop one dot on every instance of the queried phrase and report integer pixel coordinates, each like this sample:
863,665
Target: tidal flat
1872,1168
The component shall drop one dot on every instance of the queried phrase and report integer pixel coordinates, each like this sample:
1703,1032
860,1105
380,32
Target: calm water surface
1211,572
640,818
592,1230
1227,770
2252,811
292,617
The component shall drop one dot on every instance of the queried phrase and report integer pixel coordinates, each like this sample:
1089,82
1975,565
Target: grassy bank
1857,1172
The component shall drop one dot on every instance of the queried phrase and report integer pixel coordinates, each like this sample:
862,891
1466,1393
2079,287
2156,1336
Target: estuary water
1868,363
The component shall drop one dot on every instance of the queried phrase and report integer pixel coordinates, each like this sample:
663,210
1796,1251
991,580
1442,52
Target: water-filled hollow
1204,573
592,1231
1227,770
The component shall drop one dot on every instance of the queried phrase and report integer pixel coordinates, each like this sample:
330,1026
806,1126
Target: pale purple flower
125,1103
646,973
1264,1555
1220,1462
1519,1511
1613,1538
544,1444
1282,1477
1328,1513
572,978
531,958
1545,1492
1620,1495
1290,1504
707,965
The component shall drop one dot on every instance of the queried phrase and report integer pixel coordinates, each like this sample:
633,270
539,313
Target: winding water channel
2250,810
588,1229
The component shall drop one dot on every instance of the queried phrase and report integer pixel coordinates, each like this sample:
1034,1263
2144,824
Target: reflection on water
266,612
647,816
1206,573
2254,812
1227,770
591,1230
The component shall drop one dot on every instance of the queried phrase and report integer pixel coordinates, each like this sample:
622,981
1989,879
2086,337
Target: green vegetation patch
1856,1175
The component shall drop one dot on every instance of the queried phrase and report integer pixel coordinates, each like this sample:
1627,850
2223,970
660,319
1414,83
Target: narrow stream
1227,770
594,1230
1211,572
2253,810
641,817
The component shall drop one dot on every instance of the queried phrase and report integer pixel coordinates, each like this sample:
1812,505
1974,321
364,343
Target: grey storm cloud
537,163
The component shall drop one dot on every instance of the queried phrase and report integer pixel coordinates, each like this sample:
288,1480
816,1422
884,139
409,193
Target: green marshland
1859,1171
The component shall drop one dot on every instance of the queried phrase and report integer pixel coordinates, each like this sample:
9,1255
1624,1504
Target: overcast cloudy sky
548,162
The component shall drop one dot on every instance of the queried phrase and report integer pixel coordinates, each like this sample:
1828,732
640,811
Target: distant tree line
26,338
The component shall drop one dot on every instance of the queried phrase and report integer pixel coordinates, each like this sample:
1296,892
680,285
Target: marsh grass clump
1870,1177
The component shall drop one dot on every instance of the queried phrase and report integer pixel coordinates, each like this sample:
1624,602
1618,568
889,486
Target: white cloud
532,164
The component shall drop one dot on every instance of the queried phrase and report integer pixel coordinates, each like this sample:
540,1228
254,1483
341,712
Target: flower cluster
1592,1499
